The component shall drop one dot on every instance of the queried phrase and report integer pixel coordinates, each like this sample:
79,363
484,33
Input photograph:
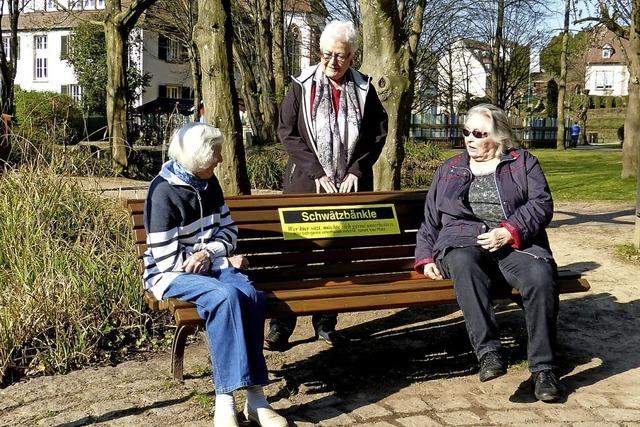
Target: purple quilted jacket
449,222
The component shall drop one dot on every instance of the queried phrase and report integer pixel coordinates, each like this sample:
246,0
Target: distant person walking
575,133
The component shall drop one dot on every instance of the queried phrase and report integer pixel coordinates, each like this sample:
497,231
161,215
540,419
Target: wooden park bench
327,274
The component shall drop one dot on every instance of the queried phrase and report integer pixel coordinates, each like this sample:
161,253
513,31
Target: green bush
420,163
597,101
608,101
46,118
69,284
265,166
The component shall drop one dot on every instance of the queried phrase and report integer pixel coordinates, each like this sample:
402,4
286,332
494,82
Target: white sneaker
265,417
225,420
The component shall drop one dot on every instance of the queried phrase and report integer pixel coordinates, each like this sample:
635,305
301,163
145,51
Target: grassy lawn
583,174
586,175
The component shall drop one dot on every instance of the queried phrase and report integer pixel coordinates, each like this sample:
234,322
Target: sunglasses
476,133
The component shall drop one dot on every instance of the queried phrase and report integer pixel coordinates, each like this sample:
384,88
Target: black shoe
491,366
276,341
331,337
545,386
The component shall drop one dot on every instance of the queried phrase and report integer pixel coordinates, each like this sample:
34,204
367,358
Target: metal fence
444,130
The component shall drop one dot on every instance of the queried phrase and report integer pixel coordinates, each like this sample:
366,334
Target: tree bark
631,144
495,58
8,65
214,37
249,91
196,76
265,71
116,91
278,50
118,24
389,58
562,87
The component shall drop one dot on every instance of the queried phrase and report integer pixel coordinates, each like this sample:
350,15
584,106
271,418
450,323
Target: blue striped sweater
176,218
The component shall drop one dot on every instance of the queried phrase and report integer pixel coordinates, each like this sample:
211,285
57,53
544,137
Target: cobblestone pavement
410,368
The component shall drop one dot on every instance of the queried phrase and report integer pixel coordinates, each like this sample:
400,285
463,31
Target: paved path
404,367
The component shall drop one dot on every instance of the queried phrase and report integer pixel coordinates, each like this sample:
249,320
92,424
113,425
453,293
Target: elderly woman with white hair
191,238
333,127
484,225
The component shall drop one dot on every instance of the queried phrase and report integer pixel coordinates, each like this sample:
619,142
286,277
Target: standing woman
191,238
485,219
333,127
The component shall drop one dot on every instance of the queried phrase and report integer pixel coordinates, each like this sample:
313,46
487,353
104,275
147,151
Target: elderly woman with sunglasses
333,127
484,224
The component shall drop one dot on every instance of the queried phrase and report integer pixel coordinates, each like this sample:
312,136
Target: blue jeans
475,271
234,314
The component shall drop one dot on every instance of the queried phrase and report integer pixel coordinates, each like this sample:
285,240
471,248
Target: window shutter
64,47
162,48
64,89
18,49
162,91
186,91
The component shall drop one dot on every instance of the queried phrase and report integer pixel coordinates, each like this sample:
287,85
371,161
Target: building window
100,4
50,5
175,51
65,47
89,4
604,80
607,51
6,42
294,44
74,91
40,56
173,91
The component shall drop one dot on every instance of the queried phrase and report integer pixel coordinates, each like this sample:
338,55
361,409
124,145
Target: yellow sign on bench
338,221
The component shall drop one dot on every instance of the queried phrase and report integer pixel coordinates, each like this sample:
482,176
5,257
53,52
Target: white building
464,72
43,40
304,21
606,72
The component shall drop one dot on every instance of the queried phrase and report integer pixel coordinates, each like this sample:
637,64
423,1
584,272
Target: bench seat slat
330,255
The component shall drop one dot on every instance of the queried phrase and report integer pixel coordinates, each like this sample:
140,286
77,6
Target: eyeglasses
476,133
339,57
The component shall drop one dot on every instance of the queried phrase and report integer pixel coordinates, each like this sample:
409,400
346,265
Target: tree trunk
495,59
562,89
249,91
116,91
9,63
391,64
265,72
214,37
196,76
278,50
631,143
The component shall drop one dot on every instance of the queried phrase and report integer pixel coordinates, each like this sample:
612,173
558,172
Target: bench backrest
276,263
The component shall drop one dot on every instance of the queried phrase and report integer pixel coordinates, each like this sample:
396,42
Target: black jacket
294,130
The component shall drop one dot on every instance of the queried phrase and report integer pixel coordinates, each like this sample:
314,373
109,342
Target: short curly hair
192,145
343,31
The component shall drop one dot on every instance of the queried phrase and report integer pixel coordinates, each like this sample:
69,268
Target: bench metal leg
177,351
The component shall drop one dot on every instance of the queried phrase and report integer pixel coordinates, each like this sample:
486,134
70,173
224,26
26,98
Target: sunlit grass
583,175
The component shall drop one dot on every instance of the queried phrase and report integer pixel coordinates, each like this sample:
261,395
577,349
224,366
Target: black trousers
475,271
286,325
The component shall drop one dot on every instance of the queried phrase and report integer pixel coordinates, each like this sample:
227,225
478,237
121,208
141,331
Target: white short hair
192,145
343,31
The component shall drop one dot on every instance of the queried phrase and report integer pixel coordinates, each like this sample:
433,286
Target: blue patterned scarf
178,170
